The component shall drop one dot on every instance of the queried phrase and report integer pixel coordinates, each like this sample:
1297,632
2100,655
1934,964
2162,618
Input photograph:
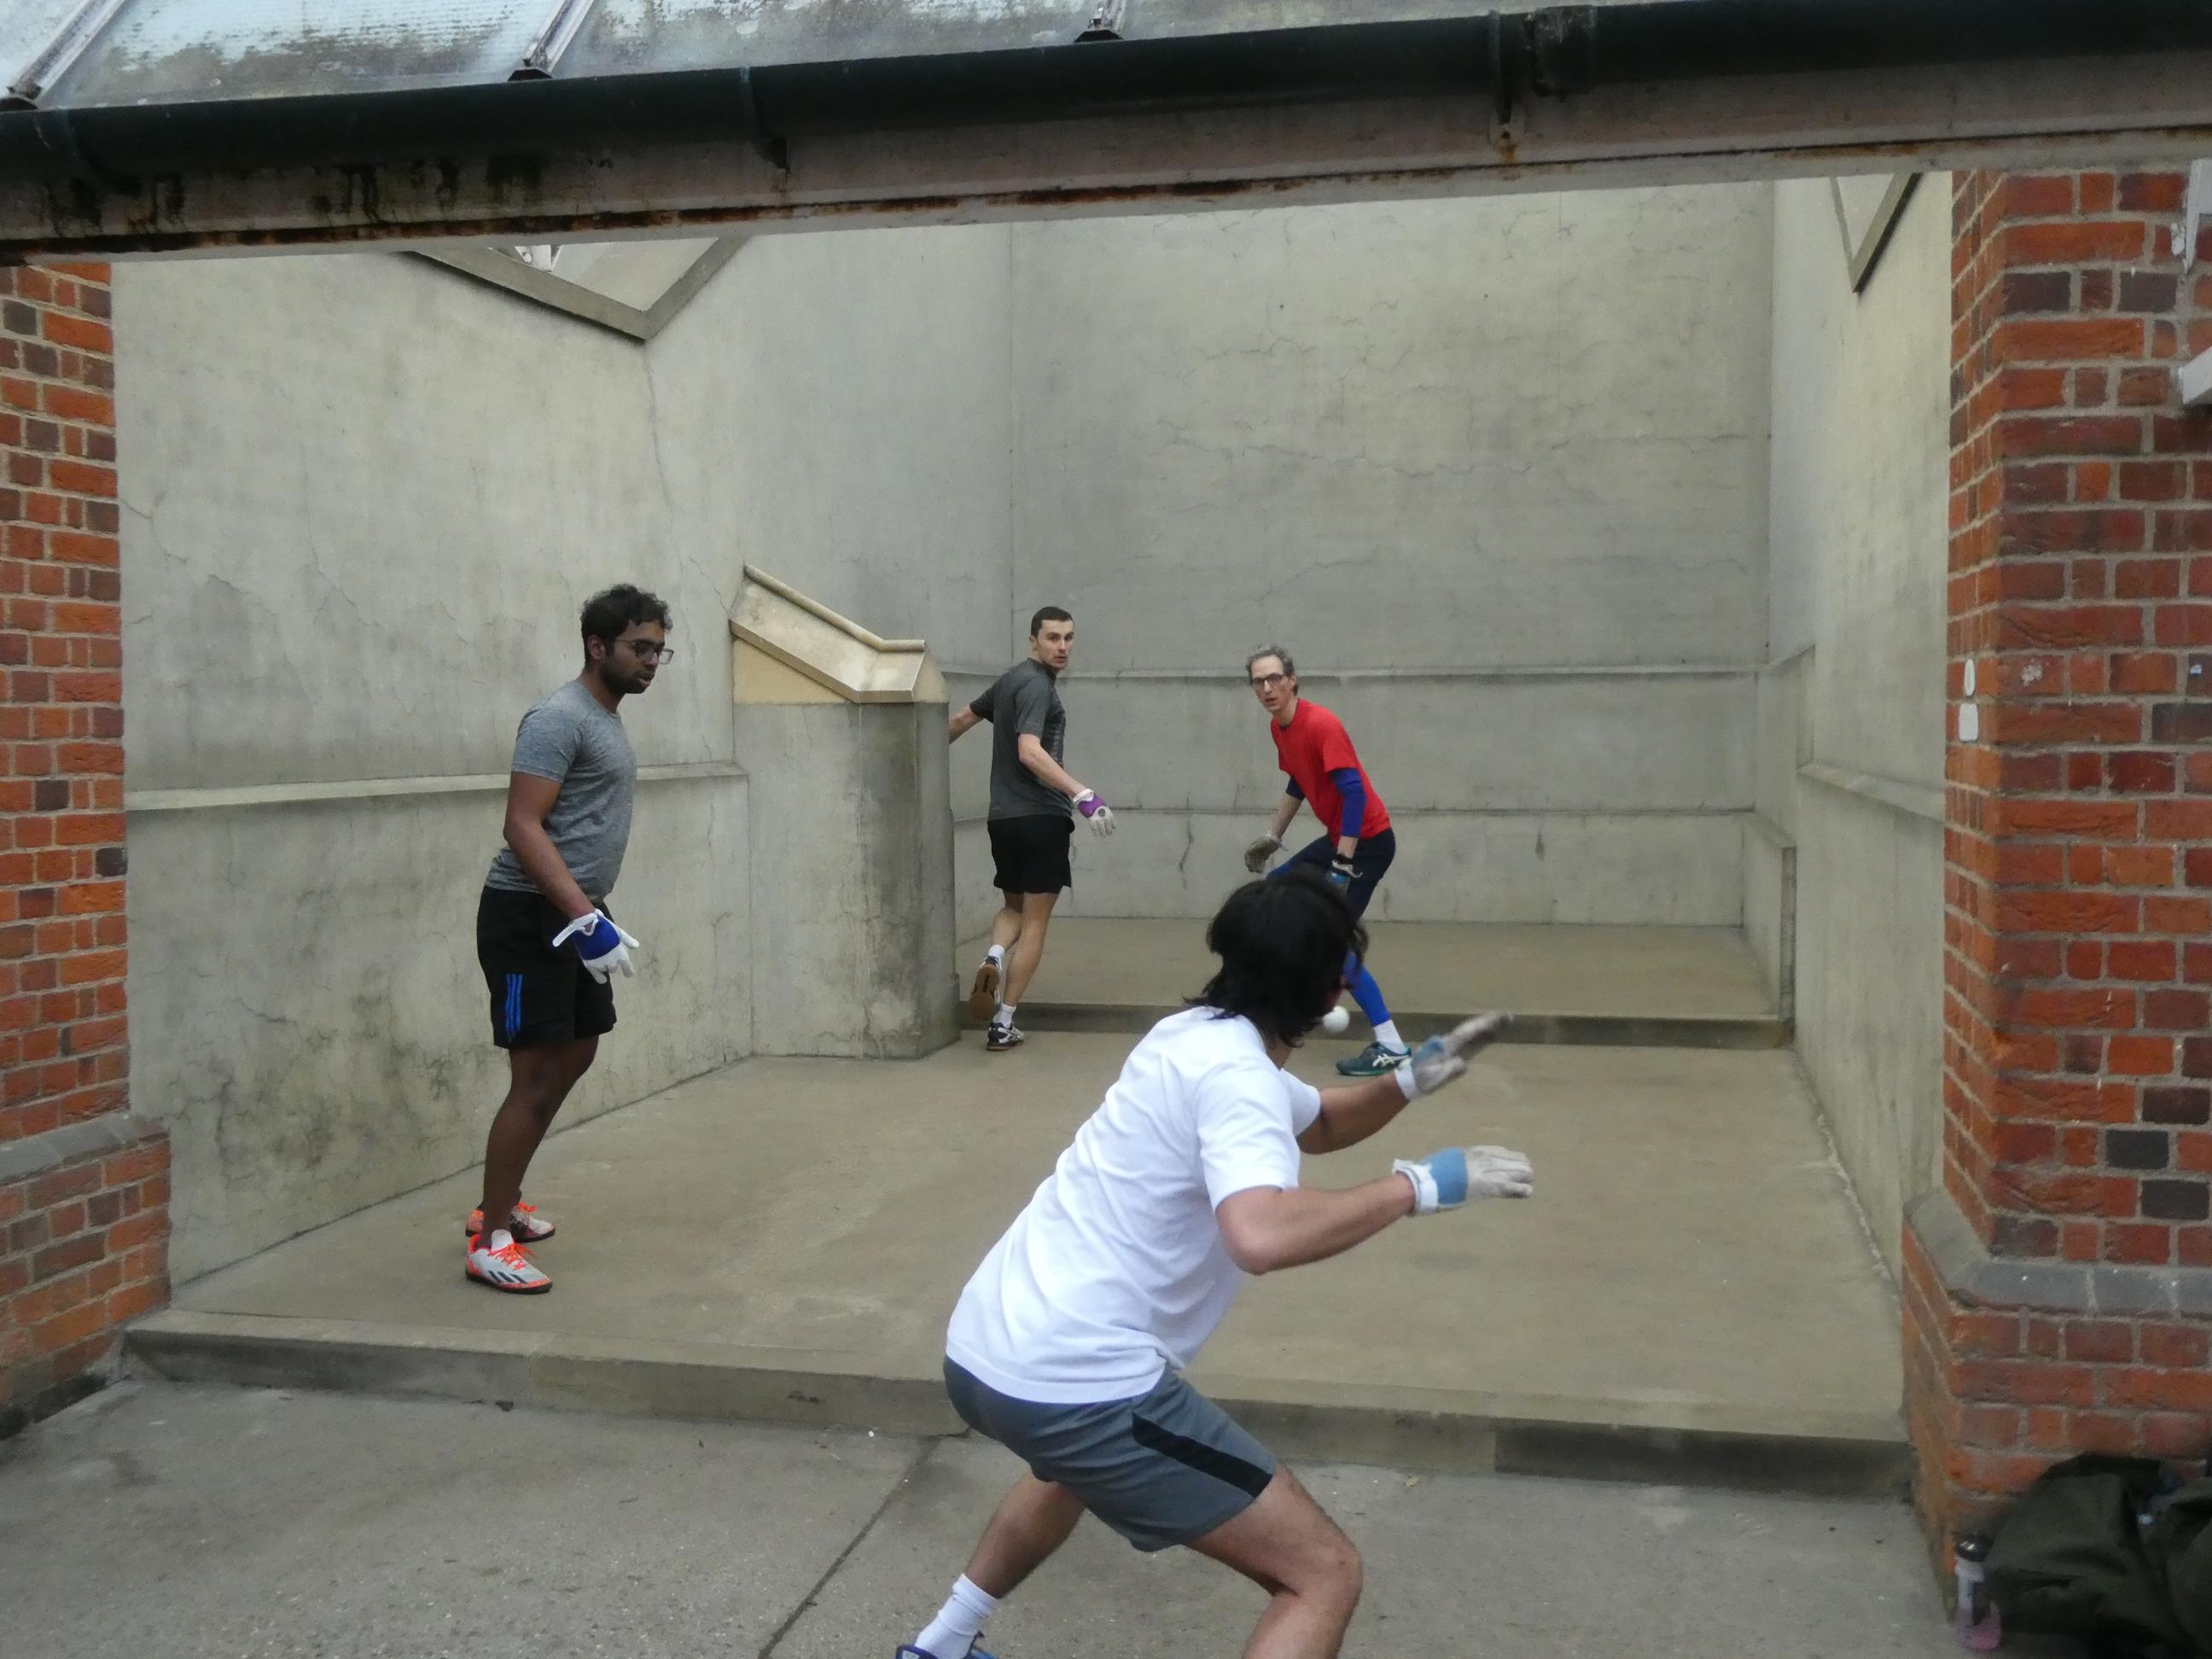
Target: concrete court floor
1692,1256
1663,973
178,1523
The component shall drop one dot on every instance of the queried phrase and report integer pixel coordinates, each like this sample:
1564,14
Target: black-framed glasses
646,651
1269,682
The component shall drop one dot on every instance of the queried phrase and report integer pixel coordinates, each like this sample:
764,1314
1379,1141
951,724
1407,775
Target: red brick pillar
83,1185
2058,1294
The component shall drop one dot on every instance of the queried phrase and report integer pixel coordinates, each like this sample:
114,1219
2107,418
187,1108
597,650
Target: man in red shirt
1315,750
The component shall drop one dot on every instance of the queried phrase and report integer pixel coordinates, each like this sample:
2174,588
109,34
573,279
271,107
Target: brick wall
83,1194
2058,1294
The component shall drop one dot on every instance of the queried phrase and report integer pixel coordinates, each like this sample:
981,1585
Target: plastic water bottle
1975,1623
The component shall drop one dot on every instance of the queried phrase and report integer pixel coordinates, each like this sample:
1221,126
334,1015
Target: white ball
1337,1021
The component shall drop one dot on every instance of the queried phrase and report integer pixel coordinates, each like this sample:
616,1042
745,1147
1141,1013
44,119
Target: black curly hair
1286,944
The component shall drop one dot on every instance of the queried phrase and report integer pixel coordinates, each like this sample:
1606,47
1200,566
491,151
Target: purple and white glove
1099,815
604,947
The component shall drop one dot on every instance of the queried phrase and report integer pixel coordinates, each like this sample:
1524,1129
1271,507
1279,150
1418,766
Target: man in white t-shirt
1069,1344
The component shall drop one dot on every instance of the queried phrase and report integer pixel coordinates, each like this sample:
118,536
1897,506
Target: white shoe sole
983,996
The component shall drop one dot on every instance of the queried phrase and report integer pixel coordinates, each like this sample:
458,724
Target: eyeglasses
1269,682
646,651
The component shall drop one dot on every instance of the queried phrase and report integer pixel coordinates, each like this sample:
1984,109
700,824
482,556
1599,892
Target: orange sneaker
498,1261
527,1226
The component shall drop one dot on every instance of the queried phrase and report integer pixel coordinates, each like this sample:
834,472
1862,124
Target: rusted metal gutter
1157,107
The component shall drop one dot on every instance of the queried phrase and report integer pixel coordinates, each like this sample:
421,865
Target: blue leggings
1369,860
1366,993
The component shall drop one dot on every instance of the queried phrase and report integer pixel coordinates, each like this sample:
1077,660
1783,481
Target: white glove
1257,854
604,947
1442,1059
1099,814
1460,1175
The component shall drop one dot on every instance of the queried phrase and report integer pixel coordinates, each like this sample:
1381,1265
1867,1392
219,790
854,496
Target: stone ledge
35,1155
1973,1274
1665,1442
1234,677
1914,799
350,789
1530,1026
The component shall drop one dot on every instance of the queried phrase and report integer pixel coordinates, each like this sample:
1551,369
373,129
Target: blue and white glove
1460,1175
1443,1059
1340,872
604,947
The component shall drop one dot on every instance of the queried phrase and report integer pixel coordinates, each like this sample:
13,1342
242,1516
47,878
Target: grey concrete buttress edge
51,1148
1413,1428
1971,1272
1586,1030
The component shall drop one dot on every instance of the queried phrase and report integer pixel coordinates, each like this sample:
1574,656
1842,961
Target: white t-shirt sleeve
1245,1138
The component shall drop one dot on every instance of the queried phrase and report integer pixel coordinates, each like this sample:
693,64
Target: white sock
1004,1016
953,1631
996,956
1387,1035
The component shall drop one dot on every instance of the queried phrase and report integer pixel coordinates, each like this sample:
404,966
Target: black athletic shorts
1030,856
538,994
1370,861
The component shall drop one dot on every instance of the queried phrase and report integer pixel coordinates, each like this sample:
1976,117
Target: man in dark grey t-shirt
548,943
1030,794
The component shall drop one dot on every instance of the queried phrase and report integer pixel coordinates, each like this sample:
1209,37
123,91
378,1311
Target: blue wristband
1450,1169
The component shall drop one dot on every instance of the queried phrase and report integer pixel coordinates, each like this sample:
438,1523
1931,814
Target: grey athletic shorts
1161,1469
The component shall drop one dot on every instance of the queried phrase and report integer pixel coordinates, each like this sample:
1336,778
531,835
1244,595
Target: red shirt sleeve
1333,744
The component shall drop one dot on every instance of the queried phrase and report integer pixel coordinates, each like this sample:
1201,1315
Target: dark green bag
2179,1543
2069,1557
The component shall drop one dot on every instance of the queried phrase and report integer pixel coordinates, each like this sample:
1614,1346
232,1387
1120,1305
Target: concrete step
1661,1441
1569,1030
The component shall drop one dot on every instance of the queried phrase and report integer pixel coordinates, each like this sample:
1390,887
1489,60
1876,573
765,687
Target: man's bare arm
1351,1114
964,719
1267,1228
1049,772
529,799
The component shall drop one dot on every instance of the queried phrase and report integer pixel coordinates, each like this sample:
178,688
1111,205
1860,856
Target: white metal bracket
2194,212
78,30
1107,19
560,31
2195,381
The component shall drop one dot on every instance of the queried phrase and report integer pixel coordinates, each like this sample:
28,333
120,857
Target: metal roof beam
1468,104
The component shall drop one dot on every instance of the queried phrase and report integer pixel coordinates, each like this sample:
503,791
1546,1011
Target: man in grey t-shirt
1030,794
549,946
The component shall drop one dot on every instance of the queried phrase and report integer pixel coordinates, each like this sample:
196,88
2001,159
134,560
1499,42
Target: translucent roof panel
157,52
26,25
173,51
634,36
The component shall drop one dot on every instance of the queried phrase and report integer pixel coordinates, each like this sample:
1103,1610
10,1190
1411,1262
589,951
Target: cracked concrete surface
1692,1251
314,1055
147,1520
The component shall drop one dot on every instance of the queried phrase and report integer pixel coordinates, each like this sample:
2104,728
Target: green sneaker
1371,1062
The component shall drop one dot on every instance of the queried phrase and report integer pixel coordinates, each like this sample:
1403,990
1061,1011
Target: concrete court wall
365,498
1494,471
364,501
1850,727
835,408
